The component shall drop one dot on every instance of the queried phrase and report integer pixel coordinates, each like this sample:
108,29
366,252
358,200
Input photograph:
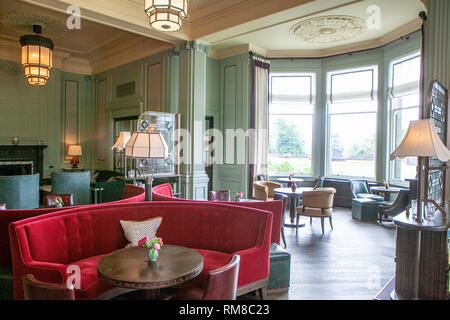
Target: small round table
289,181
293,196
129,269
386,191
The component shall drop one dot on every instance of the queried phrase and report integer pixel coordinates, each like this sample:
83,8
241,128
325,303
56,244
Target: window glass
291,114
352,123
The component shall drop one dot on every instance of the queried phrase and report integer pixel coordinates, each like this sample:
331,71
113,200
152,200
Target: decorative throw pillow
136,230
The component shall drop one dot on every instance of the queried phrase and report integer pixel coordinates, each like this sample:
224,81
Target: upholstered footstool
365,209
6,284
280,269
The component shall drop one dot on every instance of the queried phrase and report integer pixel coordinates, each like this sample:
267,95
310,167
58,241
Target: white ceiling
271,34
229,27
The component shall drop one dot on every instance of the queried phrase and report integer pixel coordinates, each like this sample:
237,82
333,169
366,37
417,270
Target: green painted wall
234,94
36,114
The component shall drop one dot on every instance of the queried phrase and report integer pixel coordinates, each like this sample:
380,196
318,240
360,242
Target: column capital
192,45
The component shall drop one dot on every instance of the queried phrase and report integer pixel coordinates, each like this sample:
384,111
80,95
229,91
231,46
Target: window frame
313,75
391,114
374,68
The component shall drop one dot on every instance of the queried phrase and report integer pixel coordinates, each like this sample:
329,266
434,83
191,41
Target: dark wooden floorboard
352,262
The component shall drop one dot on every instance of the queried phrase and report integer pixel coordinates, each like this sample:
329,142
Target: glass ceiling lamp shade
421,140
166,15
37,57
122,141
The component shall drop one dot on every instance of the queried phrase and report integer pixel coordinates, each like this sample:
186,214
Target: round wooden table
386,191
129,269
293,197
289,181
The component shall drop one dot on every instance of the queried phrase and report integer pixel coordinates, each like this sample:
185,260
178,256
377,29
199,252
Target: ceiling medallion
328,29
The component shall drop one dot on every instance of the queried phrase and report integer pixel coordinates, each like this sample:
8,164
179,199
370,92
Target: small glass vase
293,186
153,254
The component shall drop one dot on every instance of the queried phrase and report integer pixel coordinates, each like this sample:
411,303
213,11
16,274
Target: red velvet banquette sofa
131,193
46,245
164,192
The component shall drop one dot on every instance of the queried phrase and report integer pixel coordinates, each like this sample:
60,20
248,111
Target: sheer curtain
259,119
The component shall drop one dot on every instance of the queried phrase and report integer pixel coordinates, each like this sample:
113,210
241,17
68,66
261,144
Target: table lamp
147,145
74,151
120,145
421,140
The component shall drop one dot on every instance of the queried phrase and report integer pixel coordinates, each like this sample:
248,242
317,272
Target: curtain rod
339,54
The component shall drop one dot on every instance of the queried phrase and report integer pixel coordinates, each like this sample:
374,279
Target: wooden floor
352,262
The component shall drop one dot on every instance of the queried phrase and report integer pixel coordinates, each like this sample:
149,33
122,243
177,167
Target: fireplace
11,168
20,160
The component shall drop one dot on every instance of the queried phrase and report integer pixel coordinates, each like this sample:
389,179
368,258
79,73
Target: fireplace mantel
16,153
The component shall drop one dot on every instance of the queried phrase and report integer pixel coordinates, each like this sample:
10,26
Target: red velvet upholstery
46,245
131,193
164,193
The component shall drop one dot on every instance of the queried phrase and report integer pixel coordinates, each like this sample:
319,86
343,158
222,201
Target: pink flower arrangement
155,244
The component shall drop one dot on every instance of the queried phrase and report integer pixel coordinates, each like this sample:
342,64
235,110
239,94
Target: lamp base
75,162
148,188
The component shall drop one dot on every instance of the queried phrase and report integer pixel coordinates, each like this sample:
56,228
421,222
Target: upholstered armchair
263,190
317,203
220,195
400,204
20,191
50,199
360,189
76,183
221,284
38,290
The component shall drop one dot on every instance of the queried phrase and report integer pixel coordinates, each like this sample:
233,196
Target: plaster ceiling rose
22,23
328,29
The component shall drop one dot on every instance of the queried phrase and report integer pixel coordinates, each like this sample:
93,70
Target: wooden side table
421,258
129,270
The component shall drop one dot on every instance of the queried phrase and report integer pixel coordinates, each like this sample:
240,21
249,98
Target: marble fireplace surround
30,158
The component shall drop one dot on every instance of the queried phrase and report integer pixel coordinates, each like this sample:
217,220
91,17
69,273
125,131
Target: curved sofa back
72,235
164,193
131,194
20,191
52,241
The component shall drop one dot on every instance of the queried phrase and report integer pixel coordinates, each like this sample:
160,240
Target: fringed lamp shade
37,57
421,140
166,15
122,141
146,145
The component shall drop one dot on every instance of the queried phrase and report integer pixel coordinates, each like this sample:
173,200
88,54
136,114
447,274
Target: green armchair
360,189
76,183
20,191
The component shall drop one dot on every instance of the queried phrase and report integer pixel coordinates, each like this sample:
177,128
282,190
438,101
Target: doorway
209,124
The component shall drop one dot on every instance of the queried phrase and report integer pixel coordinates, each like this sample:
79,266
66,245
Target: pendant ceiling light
37,57
166,15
